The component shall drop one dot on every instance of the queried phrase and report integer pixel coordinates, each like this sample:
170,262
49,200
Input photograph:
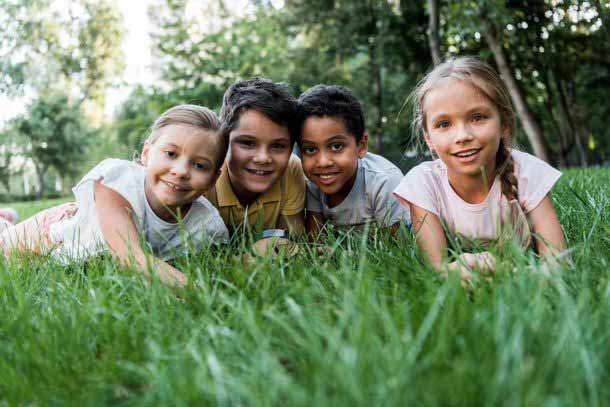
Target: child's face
330,155
259,151
463,127
181,164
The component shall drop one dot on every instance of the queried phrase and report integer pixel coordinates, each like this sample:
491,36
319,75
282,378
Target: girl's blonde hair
192,115
486,81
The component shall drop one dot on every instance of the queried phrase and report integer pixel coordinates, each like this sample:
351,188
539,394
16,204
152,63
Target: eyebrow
252,137
197,157
338,137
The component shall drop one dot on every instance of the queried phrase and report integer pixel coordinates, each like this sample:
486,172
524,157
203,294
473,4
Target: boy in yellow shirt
261,184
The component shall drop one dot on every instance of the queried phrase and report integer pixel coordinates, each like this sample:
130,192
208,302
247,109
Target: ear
363,145
145,151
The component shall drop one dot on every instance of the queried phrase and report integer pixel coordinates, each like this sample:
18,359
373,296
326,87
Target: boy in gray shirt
346,185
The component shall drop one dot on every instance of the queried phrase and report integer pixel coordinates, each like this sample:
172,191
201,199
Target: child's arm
431,240
294,224
314,221
549,240
121,235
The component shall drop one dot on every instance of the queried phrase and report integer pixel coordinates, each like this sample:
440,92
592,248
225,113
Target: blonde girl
479,184
122,204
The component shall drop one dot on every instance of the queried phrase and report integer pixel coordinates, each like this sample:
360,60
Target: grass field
364,324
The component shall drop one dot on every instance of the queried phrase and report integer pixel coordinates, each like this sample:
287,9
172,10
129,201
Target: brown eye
308,150
336,147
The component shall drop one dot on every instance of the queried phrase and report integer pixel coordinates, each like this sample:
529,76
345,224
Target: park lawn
366,323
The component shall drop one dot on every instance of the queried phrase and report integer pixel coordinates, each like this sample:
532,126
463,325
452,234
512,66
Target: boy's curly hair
332,101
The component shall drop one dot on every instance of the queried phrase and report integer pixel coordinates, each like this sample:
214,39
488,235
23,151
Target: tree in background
53,134
48,46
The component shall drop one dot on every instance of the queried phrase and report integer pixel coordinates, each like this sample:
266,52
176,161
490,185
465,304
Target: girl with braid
478,187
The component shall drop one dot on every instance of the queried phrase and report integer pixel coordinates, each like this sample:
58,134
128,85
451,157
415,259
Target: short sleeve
388,209
294,184
535,179
124,177
419,187
314,198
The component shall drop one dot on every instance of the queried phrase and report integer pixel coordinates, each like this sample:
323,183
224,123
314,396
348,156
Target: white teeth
327,176
467,153
260,172
172,186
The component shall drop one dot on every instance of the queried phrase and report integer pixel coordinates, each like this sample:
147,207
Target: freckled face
463,127
259,151
330,156
181,164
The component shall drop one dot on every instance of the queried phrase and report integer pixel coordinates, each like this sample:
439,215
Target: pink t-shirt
427,186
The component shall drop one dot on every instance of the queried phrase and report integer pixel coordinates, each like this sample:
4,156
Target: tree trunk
433,36
530,125
377,99
374,49
40,171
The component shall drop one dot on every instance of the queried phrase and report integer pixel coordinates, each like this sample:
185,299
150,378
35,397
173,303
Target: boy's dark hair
333,101
273,99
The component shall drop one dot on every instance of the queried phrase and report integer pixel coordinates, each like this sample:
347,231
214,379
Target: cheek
307,163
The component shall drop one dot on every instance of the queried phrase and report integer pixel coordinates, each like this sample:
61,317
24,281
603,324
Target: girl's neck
473,189
170,215
244,196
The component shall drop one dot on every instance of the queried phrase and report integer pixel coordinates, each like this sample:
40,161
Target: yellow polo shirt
285,197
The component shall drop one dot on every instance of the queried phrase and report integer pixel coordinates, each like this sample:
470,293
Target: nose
324,159
463,133
181,168
262,156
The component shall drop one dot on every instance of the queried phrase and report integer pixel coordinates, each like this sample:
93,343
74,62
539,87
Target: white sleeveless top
80,237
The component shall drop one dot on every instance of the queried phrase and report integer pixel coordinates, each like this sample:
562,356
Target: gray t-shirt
371,199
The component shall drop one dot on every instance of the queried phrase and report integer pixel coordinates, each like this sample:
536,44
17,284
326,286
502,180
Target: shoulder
535,178
422,180
427,171
208,217
379,174
112,168
293,176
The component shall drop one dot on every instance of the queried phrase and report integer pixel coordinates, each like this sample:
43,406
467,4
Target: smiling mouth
260,173
175,187
467,153
329,178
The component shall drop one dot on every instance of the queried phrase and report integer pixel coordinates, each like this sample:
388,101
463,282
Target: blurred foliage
53,134
379,49
556,51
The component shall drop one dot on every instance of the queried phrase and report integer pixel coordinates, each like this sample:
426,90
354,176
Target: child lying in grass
118,201
478,186
346,185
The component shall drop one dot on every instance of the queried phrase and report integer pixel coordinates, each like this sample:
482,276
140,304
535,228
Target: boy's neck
338,197
245,197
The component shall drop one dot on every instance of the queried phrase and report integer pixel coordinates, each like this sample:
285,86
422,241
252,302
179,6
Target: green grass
363,324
